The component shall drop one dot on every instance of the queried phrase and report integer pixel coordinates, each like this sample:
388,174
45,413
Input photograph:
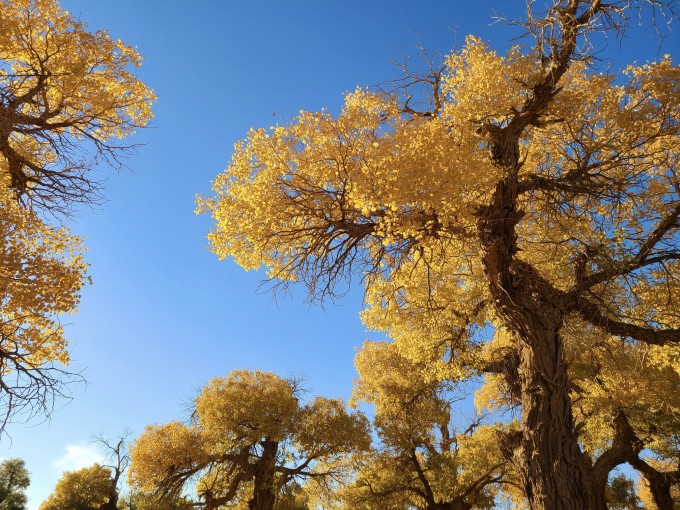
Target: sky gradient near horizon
163,315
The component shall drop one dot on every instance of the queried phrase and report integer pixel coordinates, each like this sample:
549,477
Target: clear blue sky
164,316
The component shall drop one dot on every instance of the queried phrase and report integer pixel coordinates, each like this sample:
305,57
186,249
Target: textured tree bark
264,493
660,487
625,447
549,457
659,483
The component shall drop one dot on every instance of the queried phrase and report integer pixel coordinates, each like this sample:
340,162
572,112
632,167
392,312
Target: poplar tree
534,195
68,96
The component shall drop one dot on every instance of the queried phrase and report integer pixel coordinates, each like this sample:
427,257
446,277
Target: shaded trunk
112,503
597,486
458,504
660,483
264,492
625,447
549,458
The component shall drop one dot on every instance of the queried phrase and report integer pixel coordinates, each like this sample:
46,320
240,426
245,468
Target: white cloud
77,457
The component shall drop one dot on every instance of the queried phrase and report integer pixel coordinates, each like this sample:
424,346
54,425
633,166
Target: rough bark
264,492
550,455
624,448
549,458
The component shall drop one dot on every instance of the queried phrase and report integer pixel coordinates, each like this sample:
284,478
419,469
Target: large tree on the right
531,193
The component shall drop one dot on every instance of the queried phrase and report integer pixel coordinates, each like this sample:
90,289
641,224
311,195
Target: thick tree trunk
264,493
597,479
660,487
550,458
263,500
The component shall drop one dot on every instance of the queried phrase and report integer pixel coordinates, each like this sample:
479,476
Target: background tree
14,480
96,487
136,500
250,439
84,489
531,194
421,461
118,456
621,494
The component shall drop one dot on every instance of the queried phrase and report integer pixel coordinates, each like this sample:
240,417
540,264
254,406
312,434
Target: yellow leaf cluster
512,202
248,423
89,73
86,489
41,274
68,92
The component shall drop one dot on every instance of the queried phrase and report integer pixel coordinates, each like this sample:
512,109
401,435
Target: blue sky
164,316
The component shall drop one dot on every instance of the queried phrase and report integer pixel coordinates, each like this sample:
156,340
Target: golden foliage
251,435
67,94
84,489
245,407
525,225
420,461
41,274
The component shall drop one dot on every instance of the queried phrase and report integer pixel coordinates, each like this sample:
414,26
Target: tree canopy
84,489
249,442
42,272
528,210
66,96
428,456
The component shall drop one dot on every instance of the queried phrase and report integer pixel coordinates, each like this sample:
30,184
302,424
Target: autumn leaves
517,238
523,229
67,96
251,442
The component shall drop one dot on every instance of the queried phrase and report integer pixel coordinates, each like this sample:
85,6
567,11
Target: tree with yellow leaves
14,480
66,96
625,405
41,274
533,194
95,487
137,500
421,460
84,489
249,441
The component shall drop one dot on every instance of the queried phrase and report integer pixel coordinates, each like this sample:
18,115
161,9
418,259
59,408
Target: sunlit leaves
84,489
523,226
251,435
41,274
65,95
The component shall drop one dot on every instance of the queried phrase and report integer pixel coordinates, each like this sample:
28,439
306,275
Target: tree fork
549,458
